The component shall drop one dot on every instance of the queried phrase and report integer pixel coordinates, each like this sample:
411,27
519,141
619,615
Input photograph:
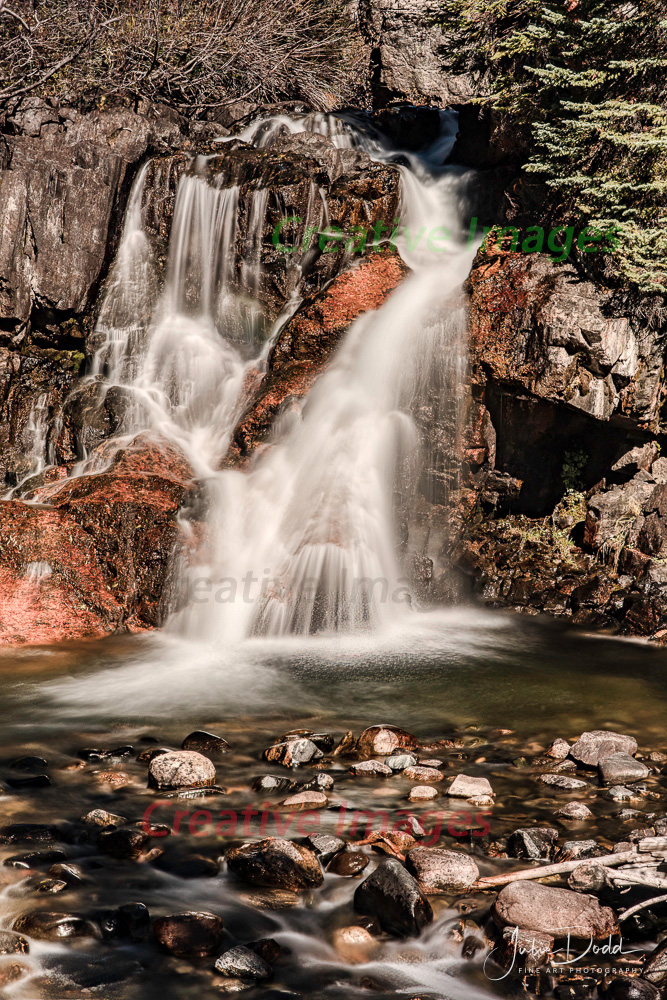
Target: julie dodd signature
534,952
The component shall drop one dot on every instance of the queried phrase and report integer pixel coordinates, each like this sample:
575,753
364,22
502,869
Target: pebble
630,988
348,863
100,817
440,870
181,769
242,963
422,793
306,800
562,781
205,742
30,781
13,944
399,762
559,749
53,926
385,740
270,783
293,753
126,841
322,782
372,769
325,846
191,933
574,811
275,863
619,793
426,774
593,747
27,833
34,859
431,763
465,786
323,741
536,843
35,763
355,945
619,768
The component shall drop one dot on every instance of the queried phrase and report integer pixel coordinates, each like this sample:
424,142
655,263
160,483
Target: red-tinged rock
96,559
307,343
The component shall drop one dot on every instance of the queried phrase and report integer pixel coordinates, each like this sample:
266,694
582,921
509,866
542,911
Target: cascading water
306,541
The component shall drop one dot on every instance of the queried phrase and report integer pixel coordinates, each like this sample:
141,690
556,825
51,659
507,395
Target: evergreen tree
585,84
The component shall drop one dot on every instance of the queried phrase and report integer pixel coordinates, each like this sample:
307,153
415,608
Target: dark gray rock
190,933
348,863
242,963
393,896
293,753
620,767
325,846
276,863
536,843
572,850
630,988
563,781
575,811
655,966
53,926
204,742
13,944
593,747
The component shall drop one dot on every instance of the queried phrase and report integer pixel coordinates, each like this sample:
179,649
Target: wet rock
630,988
323,741
466,787
306,800
439,870
536,947
53,926
204,742
385,740
593,747
48,885
29,764
619,793
11,972
242,963
655,966
195,866
30,781
588,877
270,783
425,774
371,769
126,841
88,972
34,859
13,944
400,761
559,749
69,873
532,906
181,769
354,944
536,843
191,933
619,768
563,782
100,817
94,753
130,921
27,833
422,793
348,863
574,811
325,846
275,863
320,783
393,896
572,850
431,763
293,753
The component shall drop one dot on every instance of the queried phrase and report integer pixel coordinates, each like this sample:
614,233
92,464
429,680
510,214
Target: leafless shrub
194,54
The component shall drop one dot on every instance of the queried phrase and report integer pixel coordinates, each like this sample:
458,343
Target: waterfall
306,540
36,446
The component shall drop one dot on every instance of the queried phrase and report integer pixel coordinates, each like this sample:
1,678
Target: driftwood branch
641,906
545,871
